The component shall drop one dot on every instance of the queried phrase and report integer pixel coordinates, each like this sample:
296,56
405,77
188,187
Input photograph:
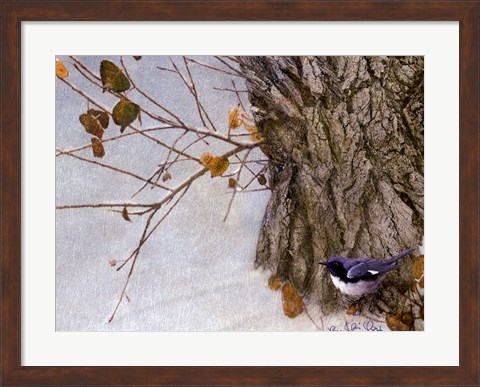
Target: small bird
358,276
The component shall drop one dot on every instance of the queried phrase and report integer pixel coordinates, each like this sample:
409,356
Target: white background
438,345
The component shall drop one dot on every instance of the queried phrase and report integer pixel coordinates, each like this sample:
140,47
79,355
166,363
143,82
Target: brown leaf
234,118
353,310
125,214
417,268
292,301
408,320
232,183
112,262
166,176
97,147
101,116
274,283
394,323
60,69
218,166
262,180
206,159
91,125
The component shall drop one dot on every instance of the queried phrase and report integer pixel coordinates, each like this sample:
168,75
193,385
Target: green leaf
113,78
124,113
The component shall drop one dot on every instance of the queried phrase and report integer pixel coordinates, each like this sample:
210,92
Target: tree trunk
345,140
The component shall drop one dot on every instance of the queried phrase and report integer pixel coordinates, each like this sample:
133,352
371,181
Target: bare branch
216,68
122,171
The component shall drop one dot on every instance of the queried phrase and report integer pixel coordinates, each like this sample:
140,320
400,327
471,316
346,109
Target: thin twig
125,172
235,191
215,68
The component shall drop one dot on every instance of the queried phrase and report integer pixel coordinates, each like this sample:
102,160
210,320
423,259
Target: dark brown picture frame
13,12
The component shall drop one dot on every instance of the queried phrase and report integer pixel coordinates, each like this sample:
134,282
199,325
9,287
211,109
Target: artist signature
368,325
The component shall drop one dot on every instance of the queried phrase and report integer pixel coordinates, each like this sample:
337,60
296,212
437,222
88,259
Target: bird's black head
335,266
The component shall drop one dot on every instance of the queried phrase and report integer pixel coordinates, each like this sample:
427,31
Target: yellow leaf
97,147
292,301
206,159
234,118
250,128
417,268
256,137
218,166
60,69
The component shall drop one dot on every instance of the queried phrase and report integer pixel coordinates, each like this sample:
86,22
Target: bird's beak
323,263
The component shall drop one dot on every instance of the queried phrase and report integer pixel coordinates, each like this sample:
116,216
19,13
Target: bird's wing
369,267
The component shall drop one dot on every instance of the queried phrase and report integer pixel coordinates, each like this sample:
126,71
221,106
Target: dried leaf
113,78
124,113
418,267
60,69
137,57
250,128
418,270
91,125
353,310
262,180
292,301
408,320
112,262
234,118
232,183
257,137
218,166
125,214
101,116
97,147
206,159
166,176
394,323
274,283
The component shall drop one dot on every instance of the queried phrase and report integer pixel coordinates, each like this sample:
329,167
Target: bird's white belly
357,289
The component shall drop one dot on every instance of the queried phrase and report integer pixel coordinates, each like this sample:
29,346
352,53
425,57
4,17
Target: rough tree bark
345,140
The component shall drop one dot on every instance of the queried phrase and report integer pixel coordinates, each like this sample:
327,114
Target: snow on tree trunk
345,140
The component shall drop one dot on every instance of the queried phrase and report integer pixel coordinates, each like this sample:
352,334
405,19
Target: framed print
216,193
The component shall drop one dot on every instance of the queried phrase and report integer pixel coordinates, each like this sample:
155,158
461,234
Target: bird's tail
399,256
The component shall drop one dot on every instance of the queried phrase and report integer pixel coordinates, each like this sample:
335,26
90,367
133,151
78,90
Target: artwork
246,193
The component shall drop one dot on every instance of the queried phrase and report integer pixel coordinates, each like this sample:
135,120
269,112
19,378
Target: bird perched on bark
358,276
